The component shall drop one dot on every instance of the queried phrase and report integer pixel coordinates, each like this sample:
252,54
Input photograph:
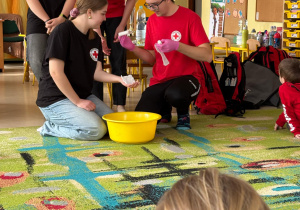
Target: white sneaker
39,129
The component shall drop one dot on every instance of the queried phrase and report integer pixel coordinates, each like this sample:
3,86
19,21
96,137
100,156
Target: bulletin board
234,11
274,13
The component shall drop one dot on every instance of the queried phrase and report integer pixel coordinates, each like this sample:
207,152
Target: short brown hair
289,69
211,190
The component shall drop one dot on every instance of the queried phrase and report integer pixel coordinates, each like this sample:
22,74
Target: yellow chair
220,49
107,68
130,58
26,65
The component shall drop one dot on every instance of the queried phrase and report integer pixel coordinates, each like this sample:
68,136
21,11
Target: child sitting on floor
289,92
211,190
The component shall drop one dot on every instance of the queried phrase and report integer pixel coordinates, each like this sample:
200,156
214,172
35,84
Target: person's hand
297,136
51,24
86,104
105,48
277,127
126,42
118,30
167,45
133,85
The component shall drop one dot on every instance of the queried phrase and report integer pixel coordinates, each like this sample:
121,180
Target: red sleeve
281,120
287,100
197,32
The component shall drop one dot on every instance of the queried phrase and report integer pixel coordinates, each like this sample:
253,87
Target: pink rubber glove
126,42
167,45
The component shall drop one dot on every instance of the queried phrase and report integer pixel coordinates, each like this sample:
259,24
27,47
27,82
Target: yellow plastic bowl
131,127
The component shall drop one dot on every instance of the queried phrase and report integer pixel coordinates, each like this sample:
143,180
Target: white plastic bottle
271,35
140,26
266,39
260,38
239,36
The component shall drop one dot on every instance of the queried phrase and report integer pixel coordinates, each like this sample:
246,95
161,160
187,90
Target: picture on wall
216,25
235,10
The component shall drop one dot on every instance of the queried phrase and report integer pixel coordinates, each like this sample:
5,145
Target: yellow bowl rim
158,117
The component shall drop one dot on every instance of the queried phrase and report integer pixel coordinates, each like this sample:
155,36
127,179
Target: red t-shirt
290,99
115,8
184,26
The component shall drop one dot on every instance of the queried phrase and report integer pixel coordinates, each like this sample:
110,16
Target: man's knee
177,99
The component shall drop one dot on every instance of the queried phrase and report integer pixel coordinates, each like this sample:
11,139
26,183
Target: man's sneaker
166,118
183,122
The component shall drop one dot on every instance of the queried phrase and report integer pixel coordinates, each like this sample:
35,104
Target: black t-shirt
52,7
80,56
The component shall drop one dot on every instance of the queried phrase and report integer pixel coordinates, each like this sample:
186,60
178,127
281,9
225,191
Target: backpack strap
214,69
252,55
238,76
208,82
266,58
239,114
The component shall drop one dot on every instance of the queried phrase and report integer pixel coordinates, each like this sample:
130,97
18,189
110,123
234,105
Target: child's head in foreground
289,70
211,190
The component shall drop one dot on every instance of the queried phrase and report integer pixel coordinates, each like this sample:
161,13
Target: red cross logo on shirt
176,36
94,54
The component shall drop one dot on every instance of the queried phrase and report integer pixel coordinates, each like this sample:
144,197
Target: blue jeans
35,52
65,119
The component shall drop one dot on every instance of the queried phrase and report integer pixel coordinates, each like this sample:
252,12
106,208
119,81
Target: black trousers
117,61
178,93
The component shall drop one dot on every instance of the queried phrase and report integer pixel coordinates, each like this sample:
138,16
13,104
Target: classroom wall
259,26
141,3
183,3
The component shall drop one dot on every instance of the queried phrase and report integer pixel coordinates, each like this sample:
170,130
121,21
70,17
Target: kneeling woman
72,61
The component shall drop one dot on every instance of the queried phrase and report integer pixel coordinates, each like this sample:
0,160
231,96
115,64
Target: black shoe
183,122
166,118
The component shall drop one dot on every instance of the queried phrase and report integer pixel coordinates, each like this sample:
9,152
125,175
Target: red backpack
210,100
269,57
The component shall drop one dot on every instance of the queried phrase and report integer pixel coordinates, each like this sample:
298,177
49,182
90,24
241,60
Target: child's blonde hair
94,5
289,69
211,190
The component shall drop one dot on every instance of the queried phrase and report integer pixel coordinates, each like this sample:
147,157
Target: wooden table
1,47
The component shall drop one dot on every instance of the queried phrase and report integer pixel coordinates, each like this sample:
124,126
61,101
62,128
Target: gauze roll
163,56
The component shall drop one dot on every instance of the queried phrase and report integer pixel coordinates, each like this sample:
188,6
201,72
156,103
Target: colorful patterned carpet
57,173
